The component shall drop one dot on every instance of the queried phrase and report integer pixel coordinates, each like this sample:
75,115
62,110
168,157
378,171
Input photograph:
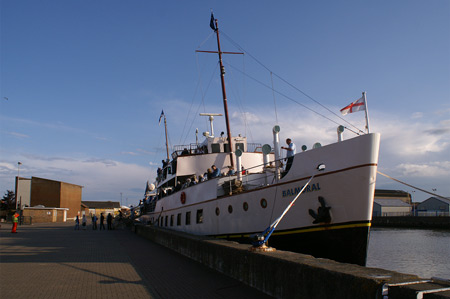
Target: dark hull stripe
345,243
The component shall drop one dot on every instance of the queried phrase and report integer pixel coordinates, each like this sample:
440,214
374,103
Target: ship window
263,203
188,218
167,217
240,146
245,206
215,148
171,220
200,216
179,219
217,211
226,148
230,209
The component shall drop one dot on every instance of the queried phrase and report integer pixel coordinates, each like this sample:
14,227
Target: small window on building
179,219
240,146
200,216
167,218
188,218
215,148
171,220
226,147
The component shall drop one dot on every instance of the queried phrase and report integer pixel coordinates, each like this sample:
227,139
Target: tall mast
167,142
224,95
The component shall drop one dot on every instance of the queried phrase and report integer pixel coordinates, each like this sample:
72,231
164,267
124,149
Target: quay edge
284,274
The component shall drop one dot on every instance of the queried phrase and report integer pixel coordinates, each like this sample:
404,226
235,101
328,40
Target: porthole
245,206
217,211
263,203
230,209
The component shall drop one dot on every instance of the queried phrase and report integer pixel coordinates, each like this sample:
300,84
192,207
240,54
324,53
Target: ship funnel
340,132
266,149
238,154
276,146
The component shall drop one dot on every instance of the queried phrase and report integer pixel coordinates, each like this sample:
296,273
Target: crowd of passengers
211,173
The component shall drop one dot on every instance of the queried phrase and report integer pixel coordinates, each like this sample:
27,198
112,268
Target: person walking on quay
109,221
102,221
94,222
83,222
15,220
77,223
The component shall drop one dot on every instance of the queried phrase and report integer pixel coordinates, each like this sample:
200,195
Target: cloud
102,179
18,135
417,115
432,169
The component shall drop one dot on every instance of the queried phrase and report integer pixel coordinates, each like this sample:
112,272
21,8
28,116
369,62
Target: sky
83,84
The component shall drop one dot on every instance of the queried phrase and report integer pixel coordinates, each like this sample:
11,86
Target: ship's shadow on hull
345,245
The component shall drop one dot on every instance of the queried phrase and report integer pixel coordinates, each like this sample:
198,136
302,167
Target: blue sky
86,82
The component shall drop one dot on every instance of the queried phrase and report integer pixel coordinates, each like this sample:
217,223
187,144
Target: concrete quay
283,274
55,261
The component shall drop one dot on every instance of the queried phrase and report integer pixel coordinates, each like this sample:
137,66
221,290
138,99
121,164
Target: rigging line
417,188
189,112
274,99
201,87
202,102
207,38
279,77
291,99
237,95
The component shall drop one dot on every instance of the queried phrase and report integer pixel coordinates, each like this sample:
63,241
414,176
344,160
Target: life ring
183,197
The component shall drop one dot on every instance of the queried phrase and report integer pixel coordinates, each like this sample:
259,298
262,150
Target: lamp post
18,178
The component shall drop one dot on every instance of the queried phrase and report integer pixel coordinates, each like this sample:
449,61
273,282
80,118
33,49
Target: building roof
35,177
391,193
446,201
388,202
102,204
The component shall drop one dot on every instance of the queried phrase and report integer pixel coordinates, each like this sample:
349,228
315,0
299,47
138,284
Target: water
425,253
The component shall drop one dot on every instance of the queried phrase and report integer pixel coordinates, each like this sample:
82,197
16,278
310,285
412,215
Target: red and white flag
357,105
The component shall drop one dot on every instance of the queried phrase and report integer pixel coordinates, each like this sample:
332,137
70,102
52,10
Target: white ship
330,219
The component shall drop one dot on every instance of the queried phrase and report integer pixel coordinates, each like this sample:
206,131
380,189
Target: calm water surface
425,253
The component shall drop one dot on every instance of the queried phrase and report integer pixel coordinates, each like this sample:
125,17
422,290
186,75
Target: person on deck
291,150
215,171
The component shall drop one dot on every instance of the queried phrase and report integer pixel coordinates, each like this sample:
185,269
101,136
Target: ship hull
330,219
346,243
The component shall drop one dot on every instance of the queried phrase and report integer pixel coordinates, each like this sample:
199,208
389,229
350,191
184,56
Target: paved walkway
55,261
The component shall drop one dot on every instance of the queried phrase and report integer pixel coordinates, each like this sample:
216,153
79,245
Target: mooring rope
417,188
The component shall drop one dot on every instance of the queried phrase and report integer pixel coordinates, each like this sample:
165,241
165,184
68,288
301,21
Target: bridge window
240,146
171,220
215,148
167,217
200,216
188,218
226,147
179,219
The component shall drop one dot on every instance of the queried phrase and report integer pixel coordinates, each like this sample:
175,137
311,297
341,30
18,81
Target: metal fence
413,213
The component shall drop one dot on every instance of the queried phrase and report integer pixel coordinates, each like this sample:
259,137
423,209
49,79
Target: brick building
52,194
